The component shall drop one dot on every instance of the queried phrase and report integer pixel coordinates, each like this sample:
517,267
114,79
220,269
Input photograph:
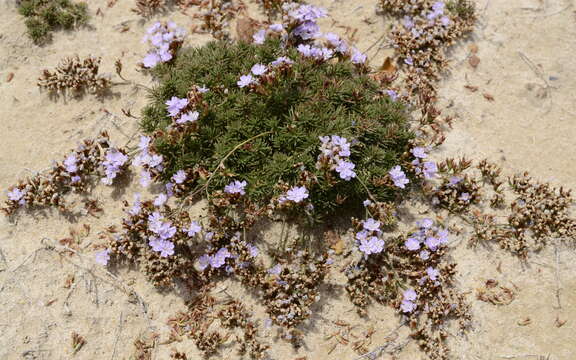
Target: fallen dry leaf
473,48
524,322
245,29
488,97
559,323
471,88
474,61
388,66
9,77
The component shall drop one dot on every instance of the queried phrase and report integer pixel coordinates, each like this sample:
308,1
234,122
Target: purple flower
113,164
408,22
179,177
454,180
144,142
75,179
136,207
464,197
202,89
276,270
419,152
190,116
276,27
432,242
424,254
245,80
432,273
398,177
281,60
357,57
332,38
409,61
70,163
307,13
346,170
407,306
102,257
430,169
371,225
176,104
145,178
253,250
151,59
164,247
219,258
259,69
442,235
16,194
367,203
445,20
194,228
259,37
372,245
235,187
297,194
392,94
412,244
160,200
305,50
425,223
307,30
409,294
203,262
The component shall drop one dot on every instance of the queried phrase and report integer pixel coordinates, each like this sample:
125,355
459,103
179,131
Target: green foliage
299,106
44,16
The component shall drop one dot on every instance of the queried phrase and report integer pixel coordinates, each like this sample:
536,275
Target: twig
539,357
118,331
557,275
372,354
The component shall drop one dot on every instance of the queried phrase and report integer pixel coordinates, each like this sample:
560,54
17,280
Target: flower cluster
72,174
236,187
257,70
215,261
408,305
151,163
295,194
334,155
428,238
398,177
427,168
302,19
369,237
165,40
163,231
116,161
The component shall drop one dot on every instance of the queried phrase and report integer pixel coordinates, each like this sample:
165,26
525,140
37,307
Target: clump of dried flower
76,75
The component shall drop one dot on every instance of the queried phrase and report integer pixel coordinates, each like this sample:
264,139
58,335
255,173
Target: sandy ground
526,63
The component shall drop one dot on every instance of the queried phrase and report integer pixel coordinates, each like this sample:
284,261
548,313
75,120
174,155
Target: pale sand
519,130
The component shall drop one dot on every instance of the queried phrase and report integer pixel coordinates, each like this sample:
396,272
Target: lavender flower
408,22
412,244
454,180
151,59
145,178
276,270
190,116
136,207
409,294
102,257
235,187
432,273
357,57
179,177
160,200
464,197
114,162
297,194
259,37
305,50
419,152
307,30
203,262
259,69
175,105
398,177
253,250
70,163
346,170
371,225
161,37
392,94
219,258
164,247
372,245
281,60
367,203
430,169
409,61
245,80
407,306
194,228
276,27
307,13
16,194
424,254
